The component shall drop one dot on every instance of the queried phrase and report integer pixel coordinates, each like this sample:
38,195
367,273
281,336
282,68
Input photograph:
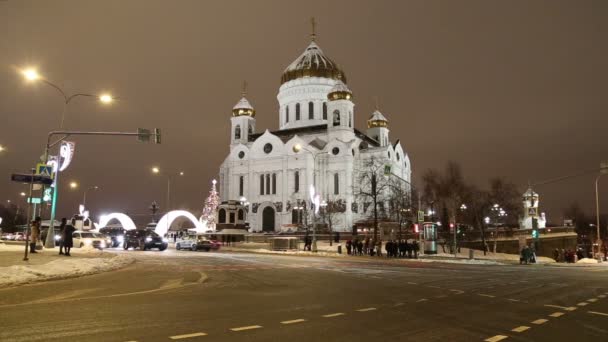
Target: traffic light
535,233
157,135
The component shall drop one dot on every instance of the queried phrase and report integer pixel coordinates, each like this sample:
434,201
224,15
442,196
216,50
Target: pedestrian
360,247
35,234
379,248
366,246
349,246
68,241
62,234
408,249
416,249
388,247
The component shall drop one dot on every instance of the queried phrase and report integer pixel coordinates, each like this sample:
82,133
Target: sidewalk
49,265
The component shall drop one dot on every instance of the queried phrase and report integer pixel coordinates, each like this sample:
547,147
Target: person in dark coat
62,234
68,241
416,248
360,247
349,246
35,234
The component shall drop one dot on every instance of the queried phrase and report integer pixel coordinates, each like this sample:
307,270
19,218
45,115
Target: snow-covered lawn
90,262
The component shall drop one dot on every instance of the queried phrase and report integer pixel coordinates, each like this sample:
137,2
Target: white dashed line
334,315
249,327
520,329
366,309
592,300
457,291
434,287
540,321
582,304
602,296
411,283
485,295
496,338
179,337
421,300
556,314
513,300
598,313
293,321
398,304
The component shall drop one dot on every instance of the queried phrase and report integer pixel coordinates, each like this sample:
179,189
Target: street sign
47,195
44,170
157,135
420,216
28,178
34,200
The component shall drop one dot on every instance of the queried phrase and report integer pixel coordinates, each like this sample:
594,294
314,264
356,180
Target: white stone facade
267,172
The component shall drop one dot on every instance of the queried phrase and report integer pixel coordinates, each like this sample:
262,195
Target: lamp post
603,171
297,148
156,170
32,75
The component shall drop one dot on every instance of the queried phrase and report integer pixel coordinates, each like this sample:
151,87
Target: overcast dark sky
506,88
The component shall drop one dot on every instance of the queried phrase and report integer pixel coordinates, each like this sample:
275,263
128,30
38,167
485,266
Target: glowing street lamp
156,170
84,196
106,98
2,148
22,194
73,185
30,74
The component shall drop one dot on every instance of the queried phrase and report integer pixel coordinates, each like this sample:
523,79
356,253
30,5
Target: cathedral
267,178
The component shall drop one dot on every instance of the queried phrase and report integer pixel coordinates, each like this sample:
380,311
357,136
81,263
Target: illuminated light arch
165,222
124,220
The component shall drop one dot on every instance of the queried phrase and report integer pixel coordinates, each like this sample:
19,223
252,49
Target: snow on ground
587,261
60,268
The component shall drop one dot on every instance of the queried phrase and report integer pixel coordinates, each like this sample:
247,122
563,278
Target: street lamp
22,194
603,171
2,148
296,149
156,170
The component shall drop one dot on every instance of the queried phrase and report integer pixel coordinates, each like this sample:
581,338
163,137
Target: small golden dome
377,120
243,107
339,92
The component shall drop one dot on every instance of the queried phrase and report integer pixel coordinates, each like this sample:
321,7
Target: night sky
505,88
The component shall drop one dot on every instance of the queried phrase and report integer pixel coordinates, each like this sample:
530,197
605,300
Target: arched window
336,117
296,181
221,216
274,183
261,184
241,185
297,111
268,184
241,215
324,110
311,110
237,132
336,184
350,120
287,113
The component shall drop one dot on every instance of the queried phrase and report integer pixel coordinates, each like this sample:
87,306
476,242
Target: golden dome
377,120
312,63
339,92
243,107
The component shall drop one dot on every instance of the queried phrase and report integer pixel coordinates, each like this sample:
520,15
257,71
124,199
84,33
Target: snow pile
60,269
587,261
293,252
456,261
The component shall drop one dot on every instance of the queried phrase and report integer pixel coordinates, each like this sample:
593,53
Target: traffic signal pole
142,136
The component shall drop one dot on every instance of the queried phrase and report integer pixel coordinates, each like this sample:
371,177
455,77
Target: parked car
144,239
8,236
89,239
115,233
197,242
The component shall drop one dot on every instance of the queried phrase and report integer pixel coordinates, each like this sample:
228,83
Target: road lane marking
602,296
179,337
520,328
411,283
556,314
434,287
582,304
496,338
366,309
249,327
485,295
457,291
540,321
598,313
421,300
334,315
293,321
592,300
513,300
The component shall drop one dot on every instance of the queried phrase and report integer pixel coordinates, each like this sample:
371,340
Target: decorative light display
165,222
315,198
66,152
210,209
124,220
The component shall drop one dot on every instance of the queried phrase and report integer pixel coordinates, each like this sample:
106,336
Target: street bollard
471,253
339,249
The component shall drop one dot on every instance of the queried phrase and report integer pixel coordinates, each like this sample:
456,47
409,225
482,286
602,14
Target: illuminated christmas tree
210,209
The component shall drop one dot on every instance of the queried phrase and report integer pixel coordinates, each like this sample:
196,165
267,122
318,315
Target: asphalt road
199,296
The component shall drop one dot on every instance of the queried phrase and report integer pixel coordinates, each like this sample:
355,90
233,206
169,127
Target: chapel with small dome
266,178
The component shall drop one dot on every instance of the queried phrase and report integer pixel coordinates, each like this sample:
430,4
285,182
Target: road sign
157,135
143,135
420,216
27,178
34,200
44,170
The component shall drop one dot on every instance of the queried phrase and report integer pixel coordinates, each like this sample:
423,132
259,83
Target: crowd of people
392,248
569,255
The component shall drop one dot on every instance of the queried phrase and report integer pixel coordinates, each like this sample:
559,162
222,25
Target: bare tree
400,203
373,187
330,212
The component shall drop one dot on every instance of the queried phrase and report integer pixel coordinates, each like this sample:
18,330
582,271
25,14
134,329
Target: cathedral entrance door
268,219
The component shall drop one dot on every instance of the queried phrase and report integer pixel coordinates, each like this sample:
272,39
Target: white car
89,239
188,242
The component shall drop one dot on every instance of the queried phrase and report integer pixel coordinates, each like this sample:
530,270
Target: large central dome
312,63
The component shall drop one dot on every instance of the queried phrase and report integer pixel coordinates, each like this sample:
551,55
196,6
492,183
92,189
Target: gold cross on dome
313,25
244,90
